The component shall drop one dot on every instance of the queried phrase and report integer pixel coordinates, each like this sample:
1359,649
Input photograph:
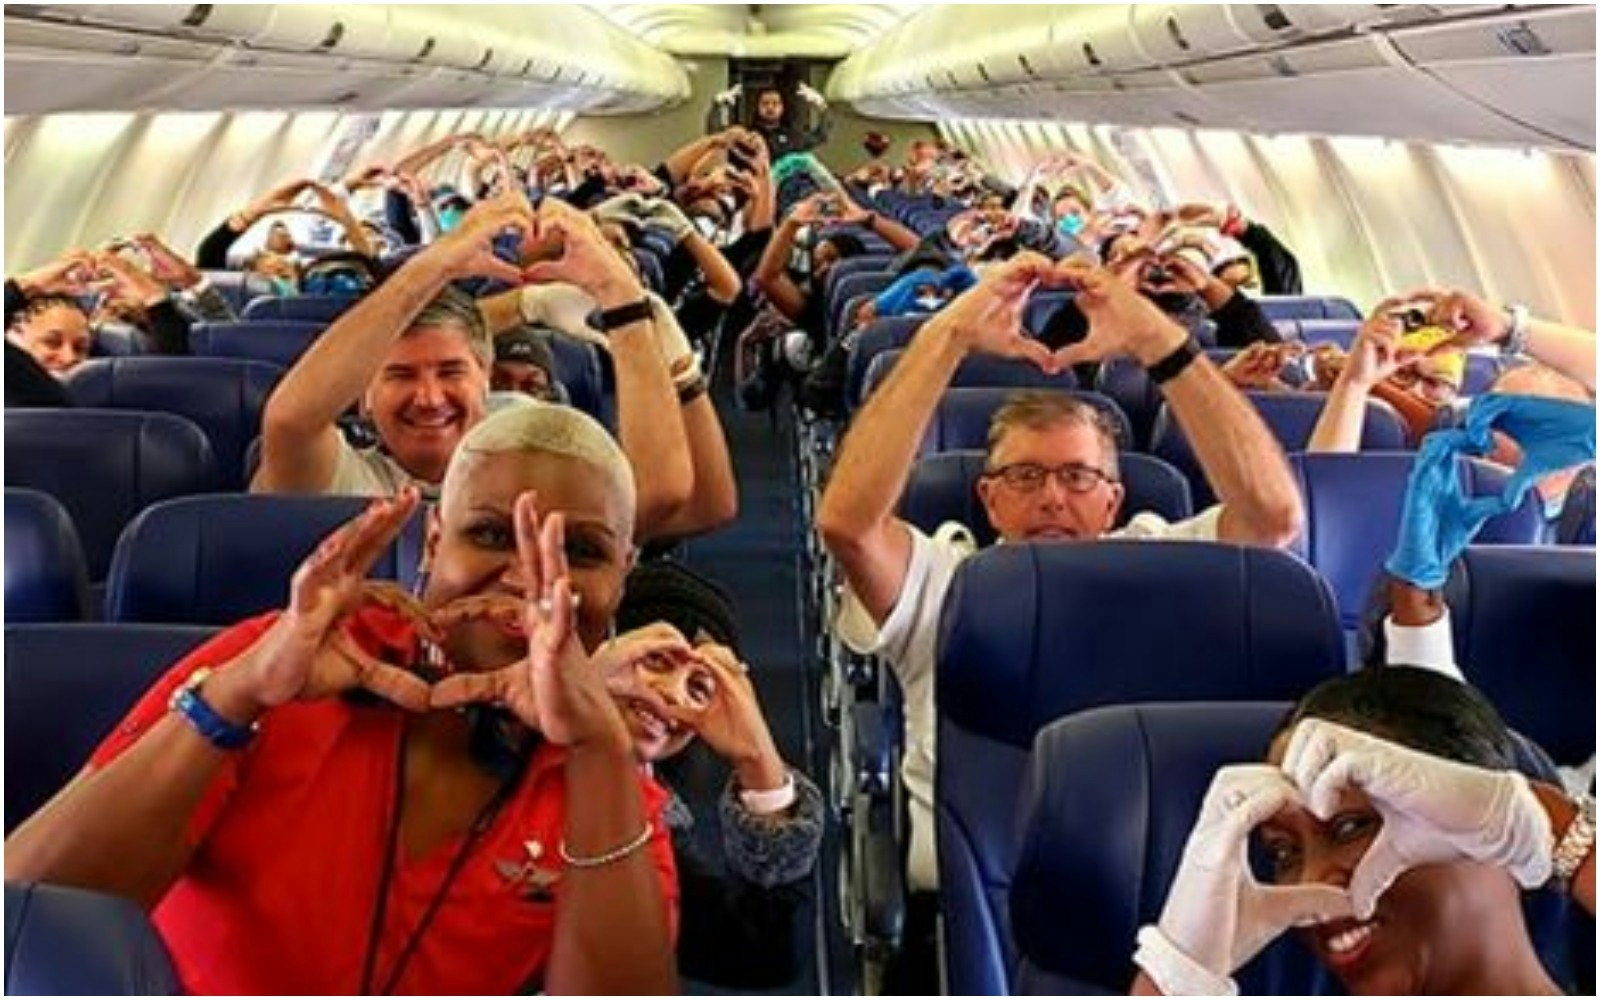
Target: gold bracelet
609,857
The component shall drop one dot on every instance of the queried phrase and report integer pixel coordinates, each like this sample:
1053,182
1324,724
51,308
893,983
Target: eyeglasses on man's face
1030,477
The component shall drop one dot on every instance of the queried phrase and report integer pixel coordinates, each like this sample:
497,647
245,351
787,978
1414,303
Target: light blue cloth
1438,520
900,298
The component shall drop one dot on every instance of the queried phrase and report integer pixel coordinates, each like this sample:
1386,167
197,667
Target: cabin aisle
760,560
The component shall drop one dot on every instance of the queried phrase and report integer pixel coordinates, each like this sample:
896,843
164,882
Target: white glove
1217,916
727,96
631,207
1434,810
809,95
683,364
666,215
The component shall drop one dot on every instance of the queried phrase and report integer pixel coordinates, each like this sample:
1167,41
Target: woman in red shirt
309,811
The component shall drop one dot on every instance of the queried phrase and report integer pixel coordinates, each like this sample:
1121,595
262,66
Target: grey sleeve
209,305
775,849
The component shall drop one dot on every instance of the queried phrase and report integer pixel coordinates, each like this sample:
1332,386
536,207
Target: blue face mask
1071,225
449,219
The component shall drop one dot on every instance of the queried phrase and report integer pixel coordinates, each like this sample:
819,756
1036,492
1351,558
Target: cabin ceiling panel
368,57
816,30
1486,73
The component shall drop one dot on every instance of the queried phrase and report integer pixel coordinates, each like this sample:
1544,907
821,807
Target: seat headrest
1031,632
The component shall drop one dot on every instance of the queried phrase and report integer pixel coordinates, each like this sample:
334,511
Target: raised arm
127,824
772,272
856,517
1569,350
300,440
1374,356
1242,461
656,447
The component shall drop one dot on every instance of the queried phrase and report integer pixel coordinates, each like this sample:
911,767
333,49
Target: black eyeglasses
1029,477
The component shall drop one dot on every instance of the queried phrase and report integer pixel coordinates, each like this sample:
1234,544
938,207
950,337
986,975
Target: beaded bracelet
608,857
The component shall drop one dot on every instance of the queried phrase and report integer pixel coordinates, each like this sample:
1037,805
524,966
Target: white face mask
929,303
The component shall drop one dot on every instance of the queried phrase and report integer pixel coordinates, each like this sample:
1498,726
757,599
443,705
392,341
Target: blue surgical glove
1438,520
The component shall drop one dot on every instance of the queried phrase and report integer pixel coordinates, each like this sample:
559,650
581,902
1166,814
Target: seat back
577,367
1575,526
944,487
280,342
105,466
239,288
212,560
1276,307
1524,624
849,288
885,334
978,371
62,941
1353,506
1126,383
1041,307
115,342
223,396
1290,417
322,309
866,263
66,686
46,580
1141,772
962,419
1034,632
1106,809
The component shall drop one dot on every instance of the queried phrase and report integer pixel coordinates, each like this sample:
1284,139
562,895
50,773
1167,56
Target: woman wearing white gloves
1397,836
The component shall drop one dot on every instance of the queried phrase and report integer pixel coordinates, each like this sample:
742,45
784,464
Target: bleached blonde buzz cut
534,428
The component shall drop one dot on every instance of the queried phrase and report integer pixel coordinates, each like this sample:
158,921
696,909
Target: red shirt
290,838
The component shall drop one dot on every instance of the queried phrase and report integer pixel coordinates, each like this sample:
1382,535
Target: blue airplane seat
865,263
1297,307
1034,632
1329,331
323,309
850,288
66,686
577,368
1523,619
223,396
115,342
280,342
944,487
62,941
46,580
239,288
1290,417
1575,525
886,333
105,466
976,371
214,560
962,419
1352,505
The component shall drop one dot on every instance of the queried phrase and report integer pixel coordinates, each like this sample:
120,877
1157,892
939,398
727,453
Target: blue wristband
219,732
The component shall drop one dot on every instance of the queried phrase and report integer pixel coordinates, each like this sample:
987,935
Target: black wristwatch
1171,366
612,319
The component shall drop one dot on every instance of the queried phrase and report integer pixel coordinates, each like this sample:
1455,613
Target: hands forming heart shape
989,316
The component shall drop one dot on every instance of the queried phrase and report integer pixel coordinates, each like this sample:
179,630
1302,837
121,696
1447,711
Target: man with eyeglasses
1051,474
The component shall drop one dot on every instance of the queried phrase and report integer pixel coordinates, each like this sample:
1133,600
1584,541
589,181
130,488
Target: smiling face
57,336
650,688
1421,937
1054,507
430,391
472,546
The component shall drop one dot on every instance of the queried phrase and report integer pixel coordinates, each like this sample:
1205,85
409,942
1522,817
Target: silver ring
546,606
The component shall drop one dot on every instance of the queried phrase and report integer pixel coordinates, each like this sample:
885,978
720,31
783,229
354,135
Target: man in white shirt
1051,475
